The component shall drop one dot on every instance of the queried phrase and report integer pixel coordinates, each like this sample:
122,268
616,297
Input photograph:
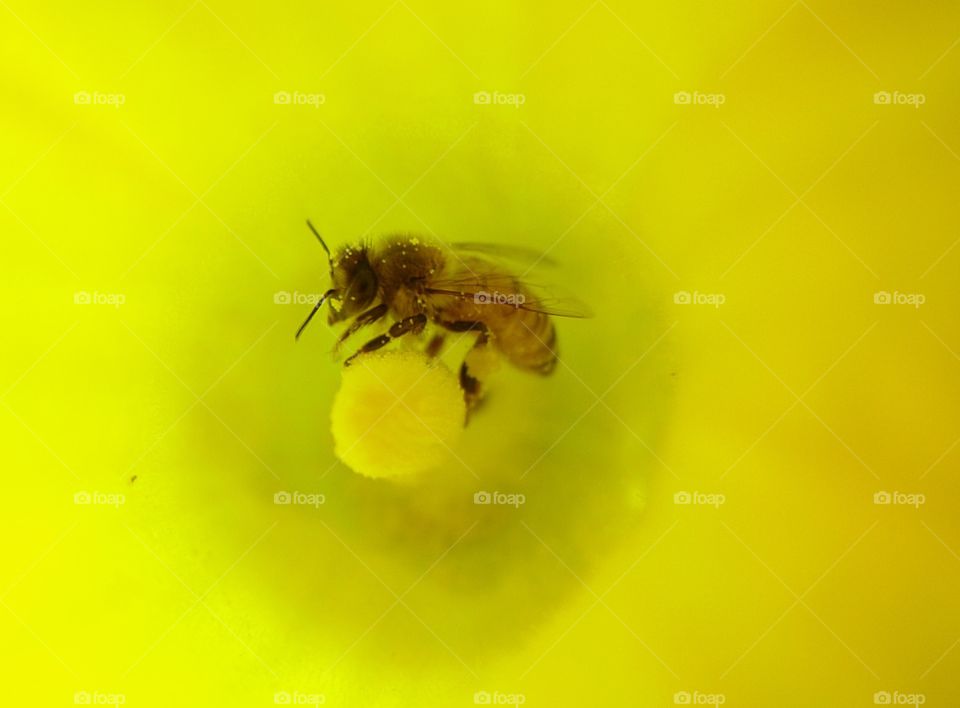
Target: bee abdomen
529,340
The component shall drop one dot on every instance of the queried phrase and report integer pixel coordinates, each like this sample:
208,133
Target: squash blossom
739,485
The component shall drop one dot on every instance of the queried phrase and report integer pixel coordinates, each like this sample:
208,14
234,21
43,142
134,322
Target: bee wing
518,255
514,290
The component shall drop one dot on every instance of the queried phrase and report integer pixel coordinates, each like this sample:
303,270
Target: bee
458,288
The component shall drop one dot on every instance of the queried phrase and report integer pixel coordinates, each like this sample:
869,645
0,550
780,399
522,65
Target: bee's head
354,281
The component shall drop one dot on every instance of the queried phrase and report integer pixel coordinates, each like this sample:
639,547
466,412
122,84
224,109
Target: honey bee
466,288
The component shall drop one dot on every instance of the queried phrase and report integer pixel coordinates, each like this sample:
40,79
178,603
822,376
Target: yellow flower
739,486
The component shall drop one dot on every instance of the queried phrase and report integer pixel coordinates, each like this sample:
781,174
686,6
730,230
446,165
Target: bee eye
364,286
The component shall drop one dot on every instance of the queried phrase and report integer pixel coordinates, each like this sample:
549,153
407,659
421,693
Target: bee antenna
316,307
320,239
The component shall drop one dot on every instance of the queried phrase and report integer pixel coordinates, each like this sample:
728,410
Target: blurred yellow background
757,198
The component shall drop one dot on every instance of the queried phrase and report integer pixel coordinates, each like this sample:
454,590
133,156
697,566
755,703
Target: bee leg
361,320
435,345
470,369
414,323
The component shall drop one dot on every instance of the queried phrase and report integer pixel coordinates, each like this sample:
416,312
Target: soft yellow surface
794,396
396,414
